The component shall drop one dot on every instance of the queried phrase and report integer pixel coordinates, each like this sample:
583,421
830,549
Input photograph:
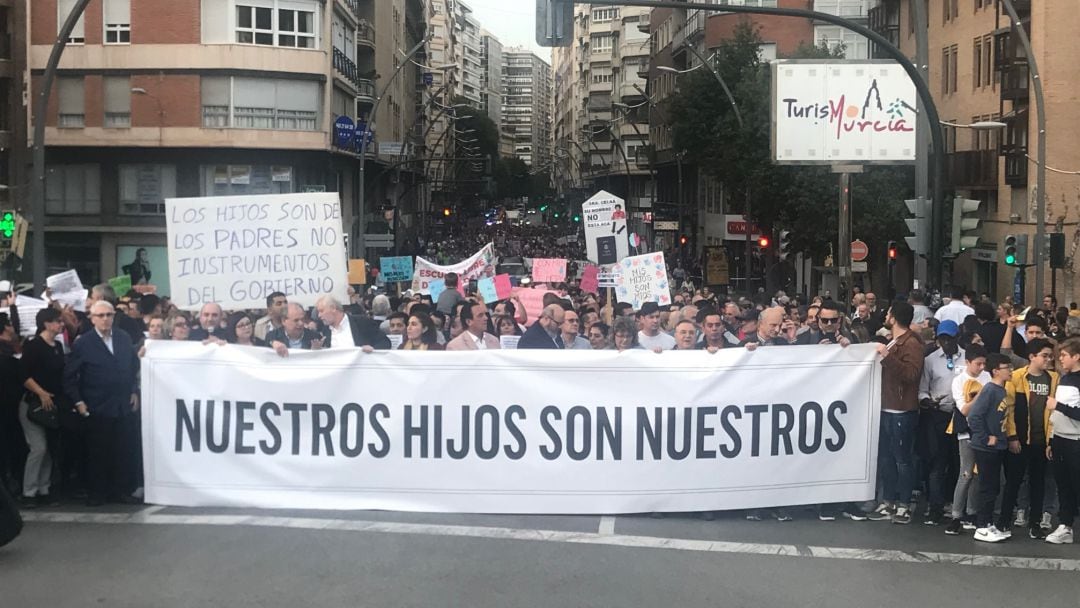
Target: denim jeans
896,455
965,496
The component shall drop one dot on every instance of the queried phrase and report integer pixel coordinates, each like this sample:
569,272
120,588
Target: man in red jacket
901,363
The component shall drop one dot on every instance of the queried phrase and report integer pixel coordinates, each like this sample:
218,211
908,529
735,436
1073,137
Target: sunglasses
828,321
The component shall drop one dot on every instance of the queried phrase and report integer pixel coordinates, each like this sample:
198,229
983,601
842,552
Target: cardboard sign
121,285
643,278
590,279
549,270
397,268
357,272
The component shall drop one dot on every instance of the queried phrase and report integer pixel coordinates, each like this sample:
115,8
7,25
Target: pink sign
502,286
533,301
549,270
589,281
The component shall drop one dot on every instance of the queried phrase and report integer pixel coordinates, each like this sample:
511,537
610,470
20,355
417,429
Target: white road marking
607,525
560,536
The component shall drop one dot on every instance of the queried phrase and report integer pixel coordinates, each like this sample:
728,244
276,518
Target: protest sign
237,250
549,270
597,431
357,272
590,282
28,309
121,285
486,287
503,288
67,289
435,288
643,278
480,264
395,341
145,289
509,342
396,268
533,301
605,228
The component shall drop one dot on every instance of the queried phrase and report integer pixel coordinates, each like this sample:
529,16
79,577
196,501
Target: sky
513,22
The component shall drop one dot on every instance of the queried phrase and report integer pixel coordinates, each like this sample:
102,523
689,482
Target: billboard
842,112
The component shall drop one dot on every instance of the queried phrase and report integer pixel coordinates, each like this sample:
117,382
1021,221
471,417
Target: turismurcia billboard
842,112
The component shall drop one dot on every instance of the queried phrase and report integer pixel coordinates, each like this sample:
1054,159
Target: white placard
643,278
842,112
28,308
597,431
237,250
67,289
509,342
606,238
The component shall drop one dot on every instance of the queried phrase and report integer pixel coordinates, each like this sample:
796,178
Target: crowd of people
980,420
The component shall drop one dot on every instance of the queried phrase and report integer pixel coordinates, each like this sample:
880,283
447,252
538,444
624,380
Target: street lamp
982,125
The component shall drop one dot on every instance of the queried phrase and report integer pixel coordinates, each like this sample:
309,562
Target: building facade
526,106
190,98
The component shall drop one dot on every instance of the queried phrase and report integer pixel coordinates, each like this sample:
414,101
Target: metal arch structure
937,134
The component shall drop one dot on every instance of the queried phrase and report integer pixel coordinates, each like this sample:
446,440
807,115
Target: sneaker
881,513
967,524
1021,518
902,516
854,514
934,518
753,516
954,527
28,502
1036,533
782,515
1006,532
1046,525
989,535
1062,536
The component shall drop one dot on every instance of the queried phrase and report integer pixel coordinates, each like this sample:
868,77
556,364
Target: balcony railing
365,34
346,67
1014,82
365,90
973,169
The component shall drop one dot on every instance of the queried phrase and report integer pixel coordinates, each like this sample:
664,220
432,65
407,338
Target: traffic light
1056,255
763,242
962,224
683,240
446,212
1016,246
554,22
919,225
8,226
782,248
577,218
892,252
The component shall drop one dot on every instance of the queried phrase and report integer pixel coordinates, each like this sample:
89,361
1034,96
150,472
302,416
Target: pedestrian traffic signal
892,252
1016,246
763,242
7,224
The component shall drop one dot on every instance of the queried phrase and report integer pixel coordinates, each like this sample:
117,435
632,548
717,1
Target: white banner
237,250
509,432
479,264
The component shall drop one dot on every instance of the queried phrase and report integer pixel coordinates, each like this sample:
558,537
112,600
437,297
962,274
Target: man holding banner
346,331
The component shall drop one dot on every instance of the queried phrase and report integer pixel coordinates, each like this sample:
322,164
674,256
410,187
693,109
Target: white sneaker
989,535
1046,523
1021,518
1062,536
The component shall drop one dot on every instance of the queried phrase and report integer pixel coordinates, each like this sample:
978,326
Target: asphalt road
166,557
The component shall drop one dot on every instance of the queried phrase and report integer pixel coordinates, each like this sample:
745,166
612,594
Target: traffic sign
859,251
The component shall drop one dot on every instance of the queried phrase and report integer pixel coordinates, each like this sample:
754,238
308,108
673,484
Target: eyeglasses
828,321
244,324
103,315
179,324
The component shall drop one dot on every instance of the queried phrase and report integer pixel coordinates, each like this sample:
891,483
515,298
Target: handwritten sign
486,287
121,285
237,250
436,287
396,269
533,301
643,278
590,282
549,270
605,228
503,289
479,264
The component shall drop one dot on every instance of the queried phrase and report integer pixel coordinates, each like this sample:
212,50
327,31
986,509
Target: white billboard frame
888,97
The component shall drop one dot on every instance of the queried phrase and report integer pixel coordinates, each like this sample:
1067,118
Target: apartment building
187,98
979,72
491,78
526,106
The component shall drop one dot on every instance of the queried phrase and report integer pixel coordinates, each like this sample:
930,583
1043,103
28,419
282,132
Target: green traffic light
1010,259
577,218
7,225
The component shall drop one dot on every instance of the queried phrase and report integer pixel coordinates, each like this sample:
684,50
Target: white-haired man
342,330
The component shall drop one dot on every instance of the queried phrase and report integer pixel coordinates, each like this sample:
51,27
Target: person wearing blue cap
936,445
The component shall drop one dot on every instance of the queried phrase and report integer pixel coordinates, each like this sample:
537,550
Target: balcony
365,35
1014,82
346,67
365,91
972,169
885,20
1016,169
1023,8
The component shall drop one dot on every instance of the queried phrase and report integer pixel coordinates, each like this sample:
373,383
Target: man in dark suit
101,379
105,292
340,330
545,332
292,333
209,323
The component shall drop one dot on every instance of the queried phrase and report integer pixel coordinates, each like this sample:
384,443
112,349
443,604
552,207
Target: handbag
36,413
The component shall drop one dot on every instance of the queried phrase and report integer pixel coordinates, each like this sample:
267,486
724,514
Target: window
230,180
63,9
117,17
955,59
144,188
254,25
260,103
72,103
73,189
989,77
284,23
117,102
601,44
604,14
949,60
296,28
976,68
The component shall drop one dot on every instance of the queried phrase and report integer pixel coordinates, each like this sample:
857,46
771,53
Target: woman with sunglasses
178,326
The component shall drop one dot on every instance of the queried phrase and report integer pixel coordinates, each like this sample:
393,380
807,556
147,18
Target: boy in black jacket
986,421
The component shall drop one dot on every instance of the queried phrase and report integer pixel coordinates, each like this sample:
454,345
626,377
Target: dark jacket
133,328
104,381
278,335
901,371
993,334
987,418
537,337
365,332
